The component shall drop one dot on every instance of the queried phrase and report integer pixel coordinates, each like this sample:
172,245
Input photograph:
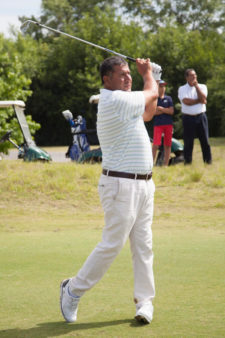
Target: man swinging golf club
126,187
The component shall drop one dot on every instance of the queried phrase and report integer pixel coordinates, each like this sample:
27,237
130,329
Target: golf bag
80,143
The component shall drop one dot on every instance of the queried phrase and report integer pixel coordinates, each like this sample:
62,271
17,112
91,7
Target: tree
65,71
14,85
69,71
191,14
62,14
216,102
176,50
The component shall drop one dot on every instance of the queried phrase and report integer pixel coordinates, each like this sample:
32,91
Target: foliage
216,104
191,14
68,74
64,72
14,85
66,11
177,50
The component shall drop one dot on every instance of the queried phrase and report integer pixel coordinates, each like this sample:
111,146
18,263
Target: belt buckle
135,176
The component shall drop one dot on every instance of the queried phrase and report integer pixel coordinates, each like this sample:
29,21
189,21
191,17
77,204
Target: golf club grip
131,59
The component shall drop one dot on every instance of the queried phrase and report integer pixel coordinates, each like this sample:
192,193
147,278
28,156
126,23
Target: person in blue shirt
163,123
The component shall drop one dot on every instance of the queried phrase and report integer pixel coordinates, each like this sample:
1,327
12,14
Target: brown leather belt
126,175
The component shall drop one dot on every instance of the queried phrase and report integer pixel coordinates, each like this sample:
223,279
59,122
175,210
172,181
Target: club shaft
82,40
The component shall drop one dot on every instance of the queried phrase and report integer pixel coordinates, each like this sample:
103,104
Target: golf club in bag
80,142
82,138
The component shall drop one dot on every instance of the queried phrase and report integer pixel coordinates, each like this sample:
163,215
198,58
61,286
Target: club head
26,24
68,115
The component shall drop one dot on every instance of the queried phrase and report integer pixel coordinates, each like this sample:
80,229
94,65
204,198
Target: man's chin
127,89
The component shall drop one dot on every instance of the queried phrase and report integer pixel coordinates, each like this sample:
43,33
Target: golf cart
83,136
28,151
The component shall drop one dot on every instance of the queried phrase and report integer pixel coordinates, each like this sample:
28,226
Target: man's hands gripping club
150,90
154,67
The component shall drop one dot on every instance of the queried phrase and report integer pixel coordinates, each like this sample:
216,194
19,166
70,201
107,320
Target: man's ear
105,79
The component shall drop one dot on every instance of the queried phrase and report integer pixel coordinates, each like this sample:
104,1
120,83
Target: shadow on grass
54,329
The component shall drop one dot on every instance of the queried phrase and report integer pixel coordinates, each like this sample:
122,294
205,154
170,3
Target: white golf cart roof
4,104
18,107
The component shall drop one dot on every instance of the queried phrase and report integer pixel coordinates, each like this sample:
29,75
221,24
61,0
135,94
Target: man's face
119,79
191,78
162,89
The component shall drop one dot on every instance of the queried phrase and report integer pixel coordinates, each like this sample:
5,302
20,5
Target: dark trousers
196,126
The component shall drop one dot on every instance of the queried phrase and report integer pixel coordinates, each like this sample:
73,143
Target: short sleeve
180,94
170,101
204,89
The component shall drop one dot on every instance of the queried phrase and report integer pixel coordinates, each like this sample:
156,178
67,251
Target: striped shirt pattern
121,131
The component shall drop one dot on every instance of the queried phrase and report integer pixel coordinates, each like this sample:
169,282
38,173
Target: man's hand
201,96
143,66
162,110
158,110
195,82
150,89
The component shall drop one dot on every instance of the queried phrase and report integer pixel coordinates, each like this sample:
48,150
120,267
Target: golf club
24,27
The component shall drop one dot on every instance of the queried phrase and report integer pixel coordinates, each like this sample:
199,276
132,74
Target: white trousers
128,210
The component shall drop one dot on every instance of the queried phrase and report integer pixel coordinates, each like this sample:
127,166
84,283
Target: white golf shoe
144,313
68,303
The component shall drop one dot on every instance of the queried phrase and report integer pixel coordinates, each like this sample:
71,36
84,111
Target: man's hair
108,64
187,71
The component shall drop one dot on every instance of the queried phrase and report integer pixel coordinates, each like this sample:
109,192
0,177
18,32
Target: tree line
53,73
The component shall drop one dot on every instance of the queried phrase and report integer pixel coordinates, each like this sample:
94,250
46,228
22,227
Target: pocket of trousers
108,190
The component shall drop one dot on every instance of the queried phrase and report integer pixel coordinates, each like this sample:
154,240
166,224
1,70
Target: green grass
51,219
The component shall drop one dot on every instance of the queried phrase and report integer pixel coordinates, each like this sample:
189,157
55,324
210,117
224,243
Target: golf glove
67,114
156,71
94,99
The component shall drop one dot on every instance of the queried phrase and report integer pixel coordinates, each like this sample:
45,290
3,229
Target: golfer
126,187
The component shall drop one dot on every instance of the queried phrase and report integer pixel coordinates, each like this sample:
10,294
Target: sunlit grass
51,219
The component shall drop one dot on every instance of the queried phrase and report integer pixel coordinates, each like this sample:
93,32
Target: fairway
51,219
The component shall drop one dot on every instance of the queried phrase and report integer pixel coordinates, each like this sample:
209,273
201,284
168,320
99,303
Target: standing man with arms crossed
163,123
126,187
195,123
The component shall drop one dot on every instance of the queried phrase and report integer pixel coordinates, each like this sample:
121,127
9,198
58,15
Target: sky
10,10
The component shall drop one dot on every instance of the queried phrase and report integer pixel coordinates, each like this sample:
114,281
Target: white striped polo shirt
121,131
